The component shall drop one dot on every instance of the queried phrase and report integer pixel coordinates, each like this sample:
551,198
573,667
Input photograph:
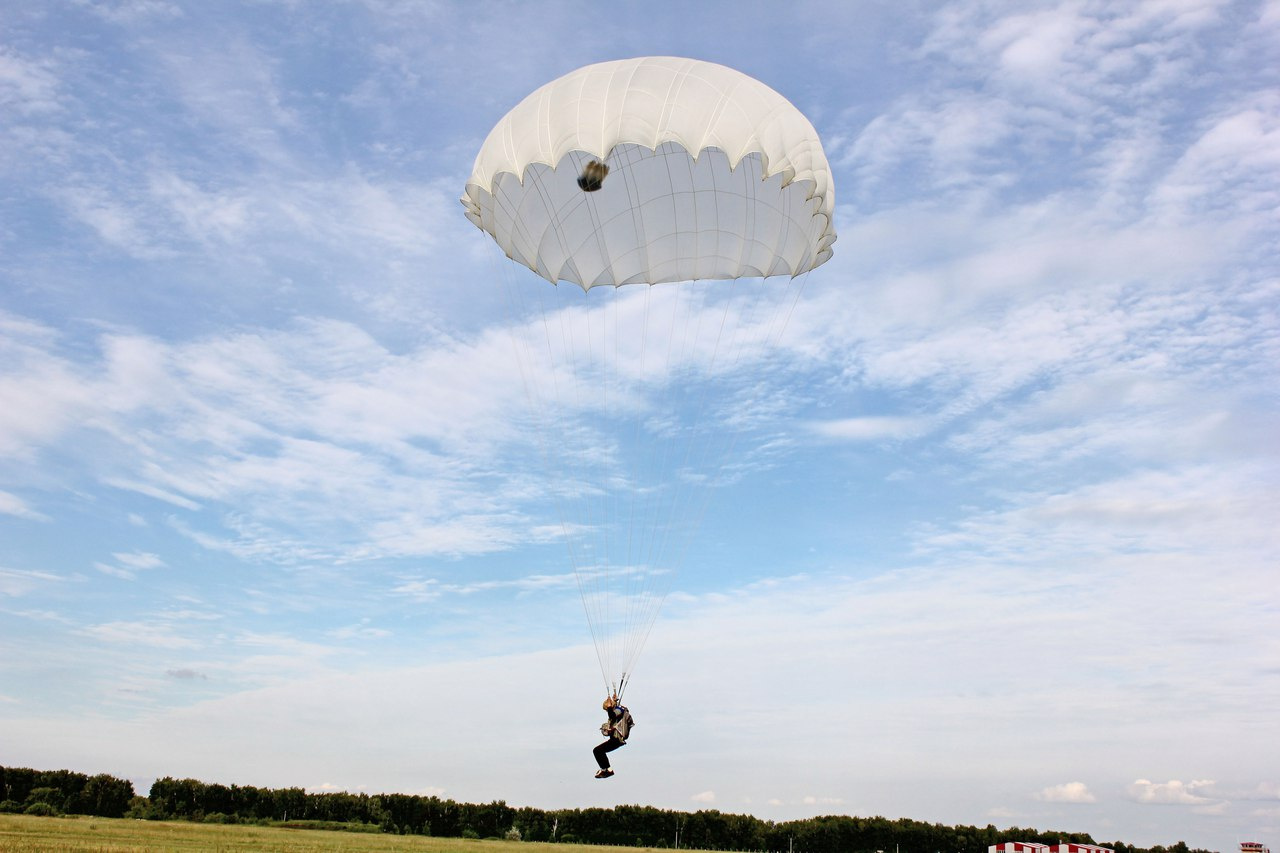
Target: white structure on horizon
1253,847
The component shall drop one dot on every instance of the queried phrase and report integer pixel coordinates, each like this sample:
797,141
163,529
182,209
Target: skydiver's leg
608,746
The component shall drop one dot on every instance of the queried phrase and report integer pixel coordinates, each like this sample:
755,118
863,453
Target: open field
28,834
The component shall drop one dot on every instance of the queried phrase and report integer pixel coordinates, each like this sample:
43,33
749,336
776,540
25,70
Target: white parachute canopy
647,171
713,175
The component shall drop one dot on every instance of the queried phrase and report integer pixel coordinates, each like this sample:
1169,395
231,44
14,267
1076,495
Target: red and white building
1033,847
1253,847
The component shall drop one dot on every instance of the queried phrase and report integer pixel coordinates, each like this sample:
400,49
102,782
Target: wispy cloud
151,634
870,428
11,504
28,85
428,589
18,582
127,566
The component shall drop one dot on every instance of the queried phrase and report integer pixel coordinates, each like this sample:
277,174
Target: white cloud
1266,791
11,504
139,560
1067,792
1172,792
18,582
428,589
127,565
363,631
135,12
26,86
704,798
811,800
160,634
876,428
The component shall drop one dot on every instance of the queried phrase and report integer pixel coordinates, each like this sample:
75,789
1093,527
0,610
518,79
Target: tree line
51,792
66,792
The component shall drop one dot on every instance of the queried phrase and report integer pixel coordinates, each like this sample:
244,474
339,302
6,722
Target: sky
1002,548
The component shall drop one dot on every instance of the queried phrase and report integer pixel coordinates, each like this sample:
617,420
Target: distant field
26,834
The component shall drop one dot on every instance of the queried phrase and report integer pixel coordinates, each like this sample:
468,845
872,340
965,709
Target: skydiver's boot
605,773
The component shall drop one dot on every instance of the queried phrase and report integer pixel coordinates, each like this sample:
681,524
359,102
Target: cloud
428,589
128,565
27,86
822,801
870,428
1172,792
1068,792
329,447
363,630
1265,791
152,634
18,582
186,675
11,504
704,798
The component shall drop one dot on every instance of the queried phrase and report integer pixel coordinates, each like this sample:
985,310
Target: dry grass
28,834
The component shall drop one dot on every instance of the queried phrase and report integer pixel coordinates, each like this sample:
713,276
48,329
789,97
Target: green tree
106,796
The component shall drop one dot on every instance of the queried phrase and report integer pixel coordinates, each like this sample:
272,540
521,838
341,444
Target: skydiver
616,728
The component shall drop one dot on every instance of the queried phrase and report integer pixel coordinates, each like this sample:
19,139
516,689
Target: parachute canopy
711,175
647,171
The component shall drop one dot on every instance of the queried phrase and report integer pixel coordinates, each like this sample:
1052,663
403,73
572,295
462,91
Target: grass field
29,834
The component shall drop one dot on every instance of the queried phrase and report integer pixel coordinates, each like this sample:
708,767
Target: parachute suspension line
683,497
671,503
651,480
587,578
593,568
567,458
773,335
604,569
671,497
518,316
634,601
750,333
705,219
634,573
657,451
747,338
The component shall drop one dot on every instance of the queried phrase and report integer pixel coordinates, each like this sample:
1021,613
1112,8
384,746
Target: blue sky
1009,551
